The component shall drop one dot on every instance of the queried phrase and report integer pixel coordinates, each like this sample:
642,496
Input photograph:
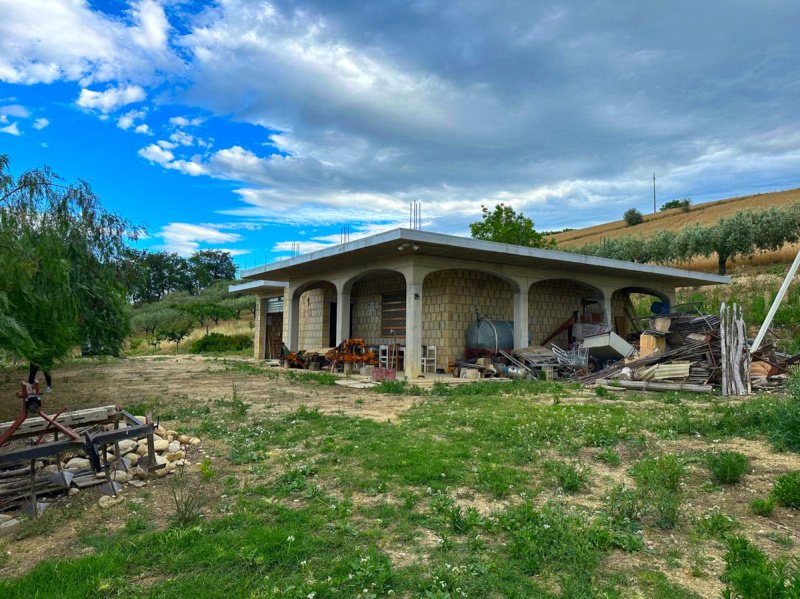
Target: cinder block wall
450,299
366,299
314,323
552,302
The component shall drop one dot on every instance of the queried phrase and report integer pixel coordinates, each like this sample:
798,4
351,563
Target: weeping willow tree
61,254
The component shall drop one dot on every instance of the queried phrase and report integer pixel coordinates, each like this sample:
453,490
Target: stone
73,491
175,456
121,476
50,469
107,501
184,439
133,458
127,445
173,447
9,525
194,441
142,450
78,464
161,432
5,518
161,445
138,483
173,434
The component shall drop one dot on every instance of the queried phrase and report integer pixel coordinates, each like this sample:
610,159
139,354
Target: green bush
715,524
750,574
763,507
219,343
787,490
633,217
727,466
658,481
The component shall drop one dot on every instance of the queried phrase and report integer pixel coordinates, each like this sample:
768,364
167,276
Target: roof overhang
392,243
258,287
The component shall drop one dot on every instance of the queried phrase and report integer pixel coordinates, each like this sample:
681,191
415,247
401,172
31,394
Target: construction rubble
685,350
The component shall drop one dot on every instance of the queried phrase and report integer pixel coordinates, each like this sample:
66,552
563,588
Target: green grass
727,467
786,490
469,484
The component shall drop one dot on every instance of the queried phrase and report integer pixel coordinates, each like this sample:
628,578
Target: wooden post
734,351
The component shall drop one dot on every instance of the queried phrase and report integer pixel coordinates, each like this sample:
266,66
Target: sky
265,127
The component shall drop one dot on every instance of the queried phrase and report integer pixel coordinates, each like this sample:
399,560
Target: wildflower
290,538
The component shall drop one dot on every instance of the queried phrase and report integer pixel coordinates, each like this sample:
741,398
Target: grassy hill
675,219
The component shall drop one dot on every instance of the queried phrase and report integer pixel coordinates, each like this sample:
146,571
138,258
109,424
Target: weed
323,379
601,392
136,524
727,467
658,483
189,495
763,507
715,524
570,478
624,507
610,456
786,490
206,470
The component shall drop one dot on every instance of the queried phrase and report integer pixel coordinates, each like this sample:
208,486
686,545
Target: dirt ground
188,380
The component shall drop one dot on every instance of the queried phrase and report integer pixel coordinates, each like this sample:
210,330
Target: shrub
787,490
633,217
658,482
727,466
189,495
569,477
763,507
685,204
219,343
750,573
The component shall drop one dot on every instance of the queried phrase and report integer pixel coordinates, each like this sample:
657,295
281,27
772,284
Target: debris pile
46,456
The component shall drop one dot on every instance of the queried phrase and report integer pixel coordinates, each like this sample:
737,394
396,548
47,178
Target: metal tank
485,335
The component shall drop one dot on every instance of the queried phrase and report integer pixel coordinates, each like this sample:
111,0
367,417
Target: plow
33,445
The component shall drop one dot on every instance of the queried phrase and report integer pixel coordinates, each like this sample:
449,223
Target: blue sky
257,126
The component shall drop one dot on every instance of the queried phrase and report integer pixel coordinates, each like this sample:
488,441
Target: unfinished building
413,295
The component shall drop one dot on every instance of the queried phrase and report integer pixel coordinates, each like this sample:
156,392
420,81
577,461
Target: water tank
485,334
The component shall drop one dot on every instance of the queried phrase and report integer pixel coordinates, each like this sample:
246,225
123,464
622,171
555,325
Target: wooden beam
35,425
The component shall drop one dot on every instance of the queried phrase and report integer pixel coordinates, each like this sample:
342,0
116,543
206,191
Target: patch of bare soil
194,380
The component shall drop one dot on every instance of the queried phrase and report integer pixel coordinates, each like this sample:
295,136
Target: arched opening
315,303
630,305
562,311
378,311
454,299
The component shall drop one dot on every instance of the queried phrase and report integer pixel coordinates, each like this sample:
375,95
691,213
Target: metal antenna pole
776,304
654,193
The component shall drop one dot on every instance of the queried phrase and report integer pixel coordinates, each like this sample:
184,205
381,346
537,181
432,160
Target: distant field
674,220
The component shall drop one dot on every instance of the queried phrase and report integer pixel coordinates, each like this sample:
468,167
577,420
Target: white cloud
16,110
41,123
185,238
167,145
128,120
155,153
182,121
111,98
42,41
11,129
144,129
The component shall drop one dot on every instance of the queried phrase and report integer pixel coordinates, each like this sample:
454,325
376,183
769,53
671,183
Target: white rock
9,525
73,491
133,458
184,439
173,447
161,445
138,483
5,518
161,432
50,469
78,464
127,445
121,476
106,501
194,441
142,450
172,433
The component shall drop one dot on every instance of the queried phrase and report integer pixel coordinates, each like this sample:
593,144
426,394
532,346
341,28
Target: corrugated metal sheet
275,305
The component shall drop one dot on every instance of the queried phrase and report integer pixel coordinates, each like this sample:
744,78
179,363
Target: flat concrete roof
261,287
390,244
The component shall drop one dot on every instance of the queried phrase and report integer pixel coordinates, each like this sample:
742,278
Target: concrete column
342,315
291,315
607,308
521,331
260,329
413,355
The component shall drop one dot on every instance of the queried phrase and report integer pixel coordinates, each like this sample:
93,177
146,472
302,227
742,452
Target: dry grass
673,220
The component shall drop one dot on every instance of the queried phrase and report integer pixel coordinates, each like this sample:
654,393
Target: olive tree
504,225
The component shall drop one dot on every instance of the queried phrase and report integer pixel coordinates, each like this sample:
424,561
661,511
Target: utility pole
654,193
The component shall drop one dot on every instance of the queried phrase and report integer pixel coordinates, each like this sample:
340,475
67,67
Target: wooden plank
648,386
35,425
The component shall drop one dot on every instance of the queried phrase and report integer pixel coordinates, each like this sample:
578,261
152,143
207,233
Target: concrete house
419,289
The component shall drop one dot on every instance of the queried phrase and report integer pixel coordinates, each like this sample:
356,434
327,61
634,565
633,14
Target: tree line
742,234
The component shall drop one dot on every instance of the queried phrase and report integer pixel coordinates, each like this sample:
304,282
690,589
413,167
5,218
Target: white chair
428,358
383,356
